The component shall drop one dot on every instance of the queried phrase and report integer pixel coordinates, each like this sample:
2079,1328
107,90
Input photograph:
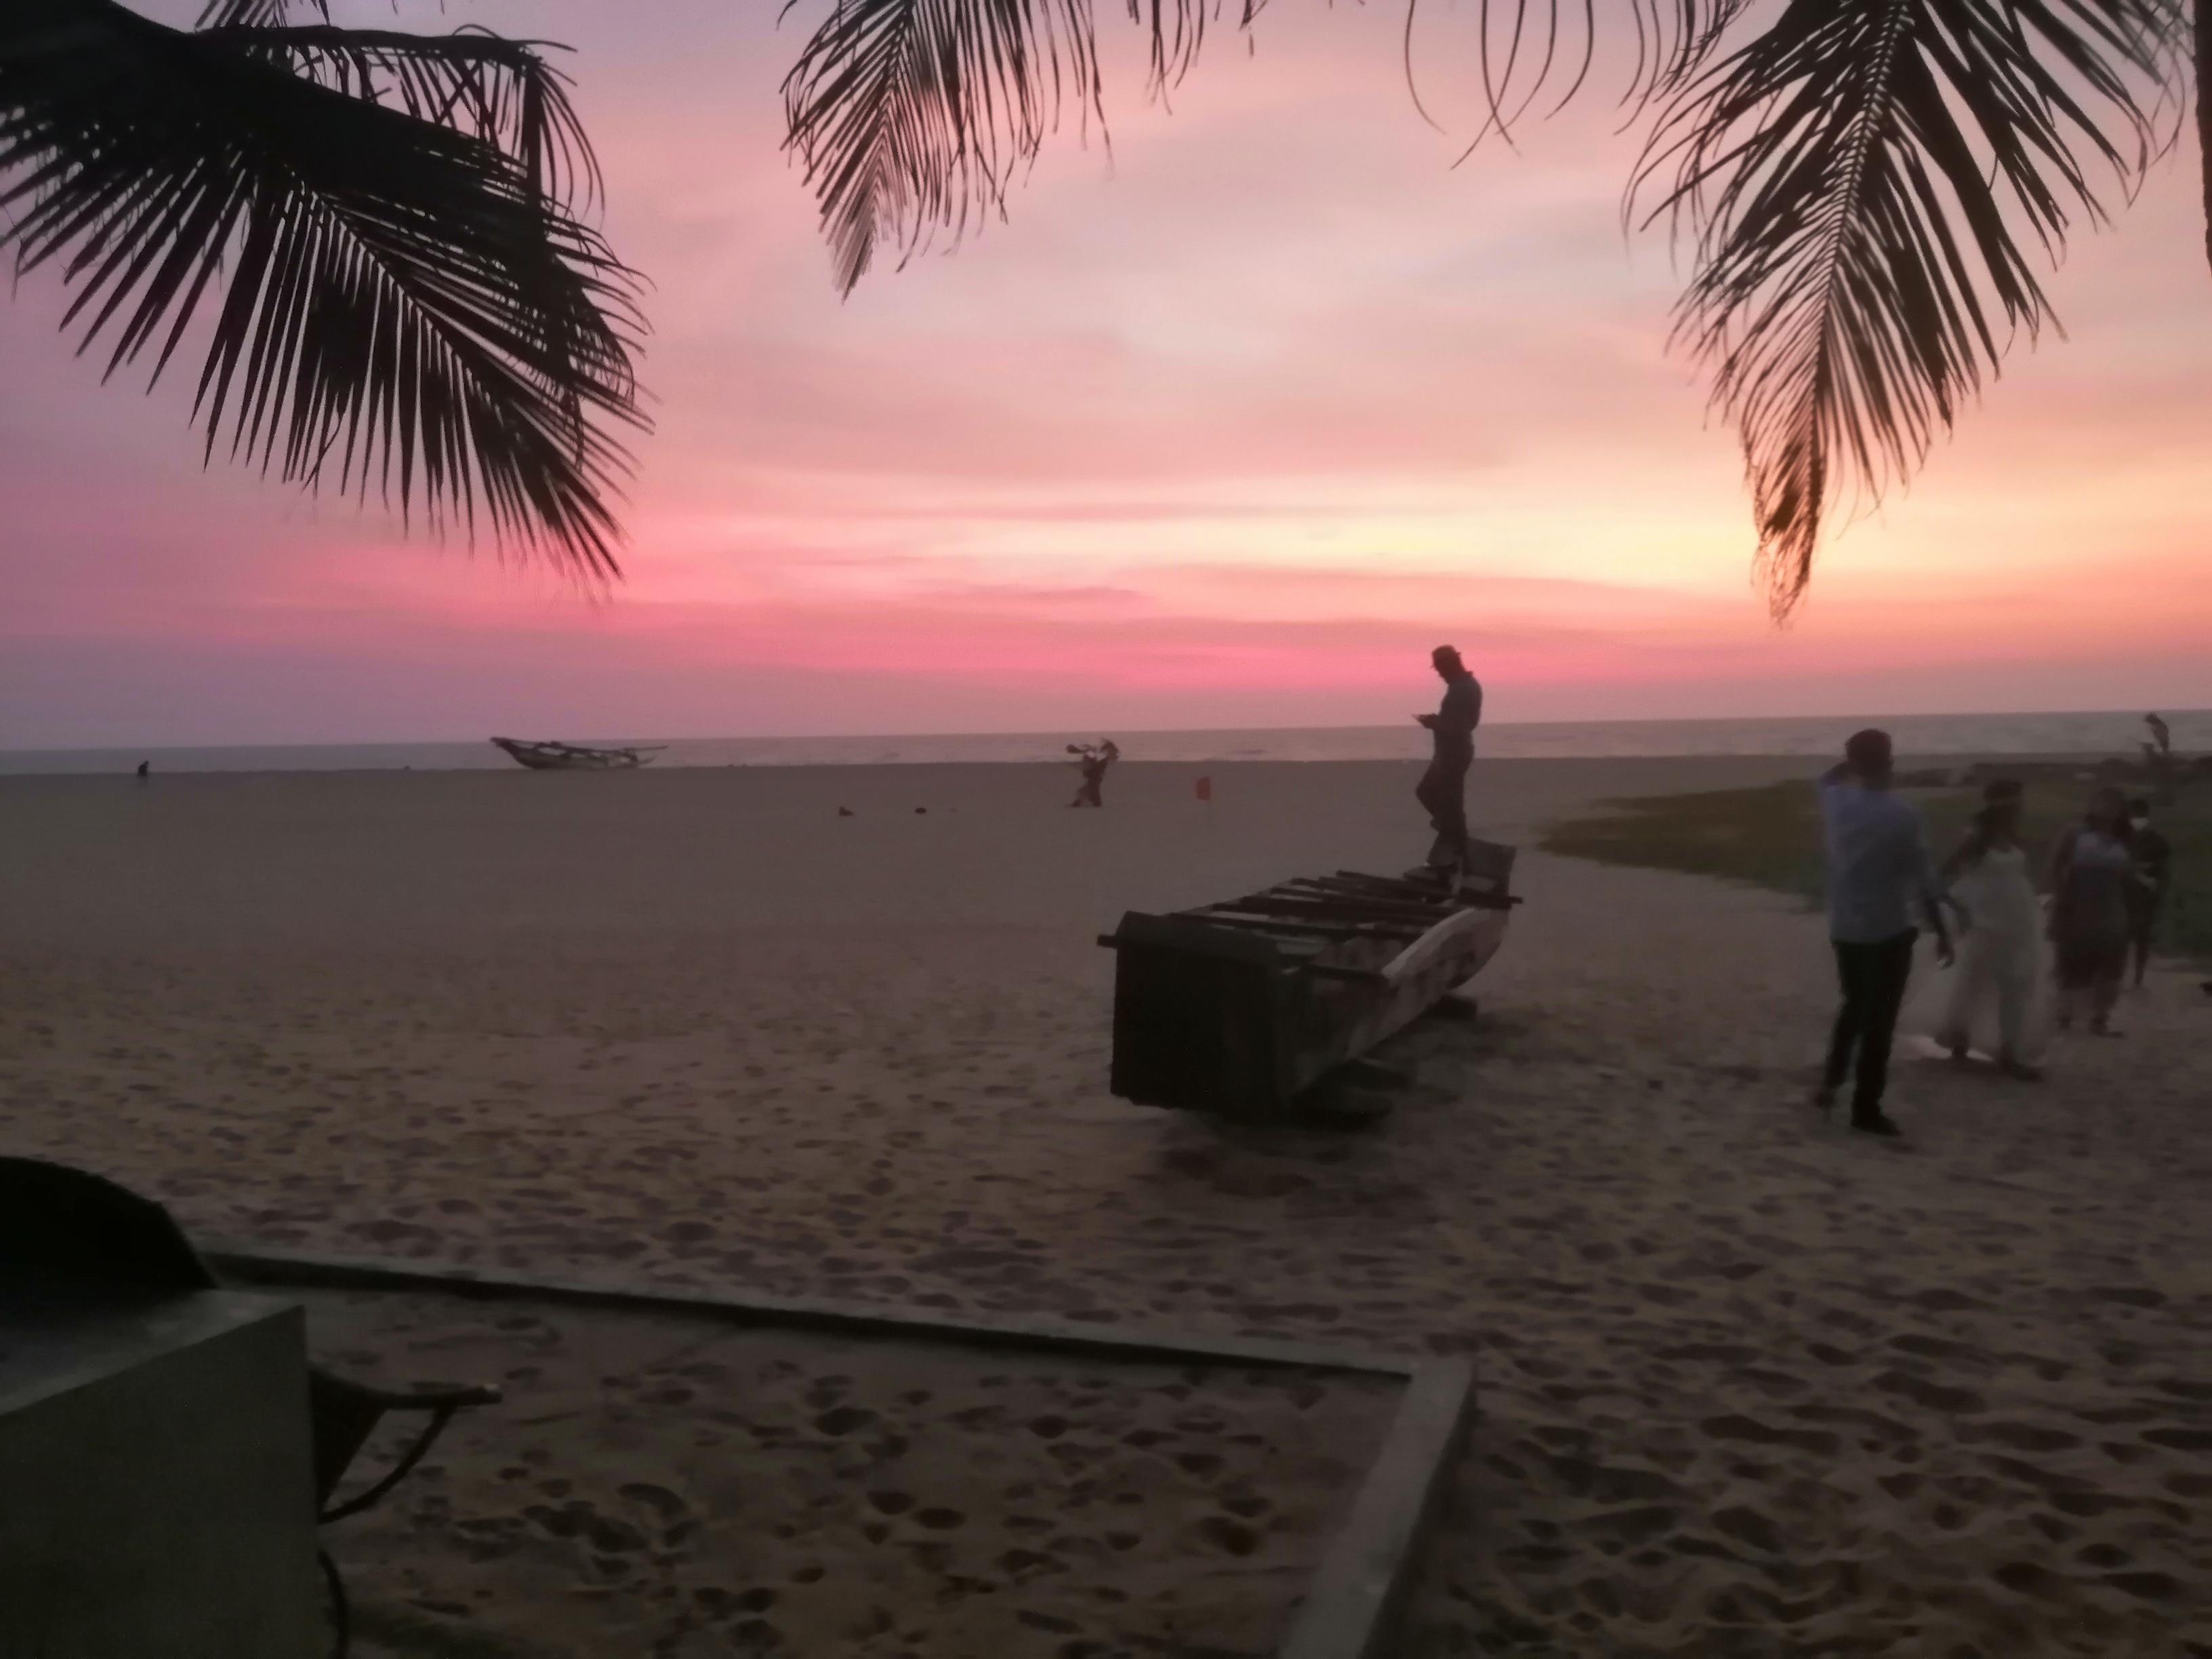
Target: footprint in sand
1229,1536
1736,1426
1935,1396
2027,1436
660,1499
1633,1527
2028,1579
2147,1586
1748,1526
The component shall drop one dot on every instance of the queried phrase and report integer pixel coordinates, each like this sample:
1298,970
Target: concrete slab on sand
862,1480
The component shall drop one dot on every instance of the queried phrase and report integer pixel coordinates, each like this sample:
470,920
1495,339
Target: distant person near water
2001,957
2158,756
2090,875
1443,788
145,770
1878,869
2152,856
1093,759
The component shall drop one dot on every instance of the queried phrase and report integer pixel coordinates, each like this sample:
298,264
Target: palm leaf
910,115
497,89
1861,181
1526,45
258,13
396,299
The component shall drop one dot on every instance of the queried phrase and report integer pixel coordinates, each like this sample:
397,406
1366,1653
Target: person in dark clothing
2152,873
1094,760
1443,788
2092,875
1878,870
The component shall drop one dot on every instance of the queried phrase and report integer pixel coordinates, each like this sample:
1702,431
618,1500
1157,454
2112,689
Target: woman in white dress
1996,1000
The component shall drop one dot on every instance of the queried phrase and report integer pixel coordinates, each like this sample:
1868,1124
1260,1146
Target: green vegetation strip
1771,836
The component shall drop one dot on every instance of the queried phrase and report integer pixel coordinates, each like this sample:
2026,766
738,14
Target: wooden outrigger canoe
1239,1008
574,758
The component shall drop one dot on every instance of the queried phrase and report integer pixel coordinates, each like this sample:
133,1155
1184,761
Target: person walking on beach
2090,875
1878,868
2152,856
1443,788
1094,759
2001,955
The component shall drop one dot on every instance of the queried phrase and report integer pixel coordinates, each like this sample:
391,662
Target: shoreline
2028,734
1907,760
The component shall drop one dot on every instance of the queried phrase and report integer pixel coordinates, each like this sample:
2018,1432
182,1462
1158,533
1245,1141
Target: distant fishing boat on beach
574,758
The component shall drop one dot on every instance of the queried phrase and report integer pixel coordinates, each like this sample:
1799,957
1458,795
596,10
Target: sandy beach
1749,1386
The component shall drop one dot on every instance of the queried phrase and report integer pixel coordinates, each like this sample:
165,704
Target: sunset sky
1227,430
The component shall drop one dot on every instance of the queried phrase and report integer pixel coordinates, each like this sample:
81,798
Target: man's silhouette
2151,855
1442,789
1879,872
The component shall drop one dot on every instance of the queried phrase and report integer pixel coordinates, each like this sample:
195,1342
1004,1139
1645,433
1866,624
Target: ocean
1811,735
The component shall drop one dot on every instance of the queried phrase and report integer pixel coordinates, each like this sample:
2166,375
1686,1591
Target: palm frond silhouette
384,228
1869,187
388,227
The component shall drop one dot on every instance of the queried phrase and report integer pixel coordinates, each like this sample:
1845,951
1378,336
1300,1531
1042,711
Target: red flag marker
1206,789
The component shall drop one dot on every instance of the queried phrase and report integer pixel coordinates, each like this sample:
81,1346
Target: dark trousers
1442,794
1874,978
2143,923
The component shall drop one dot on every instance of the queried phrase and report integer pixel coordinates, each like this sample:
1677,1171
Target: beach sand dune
1749,1385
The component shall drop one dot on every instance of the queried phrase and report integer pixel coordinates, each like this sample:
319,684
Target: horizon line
1130,732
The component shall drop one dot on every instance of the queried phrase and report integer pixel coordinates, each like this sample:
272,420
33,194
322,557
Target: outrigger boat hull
1241,1008
572,757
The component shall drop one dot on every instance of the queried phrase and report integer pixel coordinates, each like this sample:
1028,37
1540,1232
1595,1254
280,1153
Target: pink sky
1226,431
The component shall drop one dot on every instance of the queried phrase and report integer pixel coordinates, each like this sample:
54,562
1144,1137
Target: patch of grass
1771,836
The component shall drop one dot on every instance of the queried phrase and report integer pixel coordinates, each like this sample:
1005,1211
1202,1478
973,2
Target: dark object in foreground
80,1234
1241,1007
575,757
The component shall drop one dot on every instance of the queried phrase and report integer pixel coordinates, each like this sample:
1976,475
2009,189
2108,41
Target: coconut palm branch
1869,186
912,118
380,228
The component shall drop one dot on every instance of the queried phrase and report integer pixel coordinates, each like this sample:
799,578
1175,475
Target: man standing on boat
1442,789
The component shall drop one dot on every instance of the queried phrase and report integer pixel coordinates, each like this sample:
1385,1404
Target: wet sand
1750,1386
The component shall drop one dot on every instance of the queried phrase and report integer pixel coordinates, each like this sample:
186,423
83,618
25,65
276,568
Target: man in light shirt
1879,872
